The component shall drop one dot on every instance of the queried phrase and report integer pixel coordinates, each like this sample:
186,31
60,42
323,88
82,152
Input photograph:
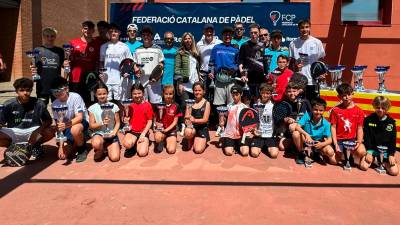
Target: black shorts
109,140
202,132
171,133
235,143
137,135
264,142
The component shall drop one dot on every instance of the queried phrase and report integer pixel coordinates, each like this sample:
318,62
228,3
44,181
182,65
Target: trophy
307,150
259,107
211,67
160,107
348,147
126,103
107,115
222,113
189,104
102,73
246,87
382,150
336,75
67,54
275,74
59,113
266,63
299,104
302,58
358,72
33,54
381,71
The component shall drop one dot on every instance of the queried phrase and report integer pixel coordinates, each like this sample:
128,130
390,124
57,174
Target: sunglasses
57,91
264,35
239,28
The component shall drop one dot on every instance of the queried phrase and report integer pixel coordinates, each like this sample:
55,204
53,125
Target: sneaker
82,156
37,152
129,153
300,158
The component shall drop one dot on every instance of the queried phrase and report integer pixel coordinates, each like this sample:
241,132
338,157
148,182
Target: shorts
126,85
377,154
264,142
222,93
171,133
18,135
69,136
340,143
202,132
137,135
153,93
235,143
109,140
114,92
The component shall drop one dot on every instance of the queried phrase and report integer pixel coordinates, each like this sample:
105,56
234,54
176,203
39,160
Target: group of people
197,79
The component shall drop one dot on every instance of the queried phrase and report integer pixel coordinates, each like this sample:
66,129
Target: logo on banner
274,16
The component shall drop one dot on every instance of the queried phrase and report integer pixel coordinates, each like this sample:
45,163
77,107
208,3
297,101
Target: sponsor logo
91,49
275,16
389,127
285,19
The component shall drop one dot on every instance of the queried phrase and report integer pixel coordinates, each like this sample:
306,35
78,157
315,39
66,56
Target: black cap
276,33
228,29
236,89
146,28
208,26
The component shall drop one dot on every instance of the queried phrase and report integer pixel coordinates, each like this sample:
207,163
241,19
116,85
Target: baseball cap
132,26
146,28
208,26
276,33
228,29
236,89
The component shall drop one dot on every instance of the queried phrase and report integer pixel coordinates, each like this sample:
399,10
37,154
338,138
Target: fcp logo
274,16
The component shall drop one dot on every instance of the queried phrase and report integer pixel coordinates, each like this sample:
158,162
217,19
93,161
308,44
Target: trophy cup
59,113
67,54
358,72
299,104
381,71
259,107
275,74
307,150
349,146
336,75
33,54
102,73
160,107
382,150
189,104
211,67
303,58
222,113
107,115
246,87
126,103
266,63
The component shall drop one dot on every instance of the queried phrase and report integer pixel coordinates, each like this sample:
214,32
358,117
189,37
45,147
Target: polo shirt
317,131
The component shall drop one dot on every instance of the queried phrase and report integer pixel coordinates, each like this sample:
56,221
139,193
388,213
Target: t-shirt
275,53
140,114
380,132
98,114
48,63
170,112
239,42
84,58
232,129
75,105
112,55
205,51
251,56
224,57
133,46
281,83
317,131
315,50
347,120
266,121
23,116
169,64
150,57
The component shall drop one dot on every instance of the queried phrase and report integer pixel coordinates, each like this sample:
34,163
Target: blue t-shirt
224,57
275,54
133,46
169,64
239,42
317,131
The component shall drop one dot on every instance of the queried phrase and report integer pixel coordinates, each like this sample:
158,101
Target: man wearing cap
150,55
111,55
169,54
224,56
275,49
132,43
239,39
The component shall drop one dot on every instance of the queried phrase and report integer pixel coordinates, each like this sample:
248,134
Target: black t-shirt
49,64
380,132
17,115
251,56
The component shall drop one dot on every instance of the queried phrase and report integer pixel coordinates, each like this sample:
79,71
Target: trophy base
380,170
347,167
61,139
308,164
35,77
274,94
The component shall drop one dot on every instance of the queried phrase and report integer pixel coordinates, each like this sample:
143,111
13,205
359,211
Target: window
366,12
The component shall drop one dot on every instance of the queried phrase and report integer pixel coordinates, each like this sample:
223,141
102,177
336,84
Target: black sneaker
37,152
82,156
129,153
300,158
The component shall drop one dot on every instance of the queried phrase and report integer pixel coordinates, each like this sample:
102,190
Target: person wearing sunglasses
132,42
239,38
264,37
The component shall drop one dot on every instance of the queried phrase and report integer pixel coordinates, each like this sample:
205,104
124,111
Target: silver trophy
107,115
308,148
67,55
211,67
299,105
222,113
246,87
381,71
266,63
33,55
259,107
102,73
59,113
189,104
349,146
382,150
160,107
336,75
275,74
303,58
358,72
126,103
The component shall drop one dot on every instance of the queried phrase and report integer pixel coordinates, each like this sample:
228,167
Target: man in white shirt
111,55
307,49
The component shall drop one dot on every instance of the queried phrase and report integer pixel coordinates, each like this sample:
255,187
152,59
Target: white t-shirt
112,55
75,105
313,48
266,122
232,129
97,112
205,51
193,75
150,58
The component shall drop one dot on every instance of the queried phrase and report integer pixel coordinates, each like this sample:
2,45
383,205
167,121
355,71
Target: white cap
132,26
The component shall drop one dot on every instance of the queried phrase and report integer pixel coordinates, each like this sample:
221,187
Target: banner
191,17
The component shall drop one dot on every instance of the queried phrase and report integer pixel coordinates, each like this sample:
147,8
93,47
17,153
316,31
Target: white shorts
126,85
114,91
222,93
18,135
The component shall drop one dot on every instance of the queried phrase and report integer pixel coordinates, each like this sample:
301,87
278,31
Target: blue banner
191,17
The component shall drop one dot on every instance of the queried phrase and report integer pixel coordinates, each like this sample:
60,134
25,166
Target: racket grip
182,130
244,138
146,83
218,131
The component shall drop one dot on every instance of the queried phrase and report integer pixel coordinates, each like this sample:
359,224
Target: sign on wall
191,17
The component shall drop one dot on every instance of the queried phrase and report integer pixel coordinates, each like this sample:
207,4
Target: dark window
366,12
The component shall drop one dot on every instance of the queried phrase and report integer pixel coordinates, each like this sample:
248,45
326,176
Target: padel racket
248,119
155,75
126,67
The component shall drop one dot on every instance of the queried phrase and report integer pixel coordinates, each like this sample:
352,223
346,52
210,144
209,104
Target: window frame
384,15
